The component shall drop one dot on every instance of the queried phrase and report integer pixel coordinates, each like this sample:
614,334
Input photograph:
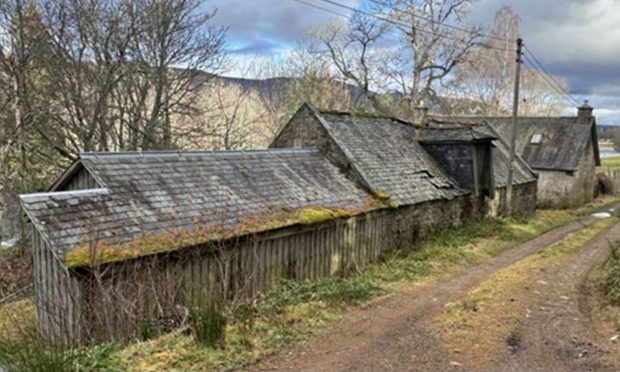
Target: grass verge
293,311
609,163
479,325
610,280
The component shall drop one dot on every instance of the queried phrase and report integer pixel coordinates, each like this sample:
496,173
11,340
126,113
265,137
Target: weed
209,324
30,353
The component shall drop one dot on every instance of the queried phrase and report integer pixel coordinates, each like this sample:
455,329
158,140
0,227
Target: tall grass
29,353
611,286
208,324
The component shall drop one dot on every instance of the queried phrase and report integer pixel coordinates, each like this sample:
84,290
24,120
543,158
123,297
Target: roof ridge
366,115
483,117
63,194
172,153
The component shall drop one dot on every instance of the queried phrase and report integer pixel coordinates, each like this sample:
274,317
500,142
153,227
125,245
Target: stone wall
567,189
305,131
523,200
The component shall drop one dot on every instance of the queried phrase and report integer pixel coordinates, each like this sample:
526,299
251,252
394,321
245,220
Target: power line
550,82
550,76
441,24
385,19
322,8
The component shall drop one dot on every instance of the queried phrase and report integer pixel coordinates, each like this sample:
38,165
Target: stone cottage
387,147
563,151
124,242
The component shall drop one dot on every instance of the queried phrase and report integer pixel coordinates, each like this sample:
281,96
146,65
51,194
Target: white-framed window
536,139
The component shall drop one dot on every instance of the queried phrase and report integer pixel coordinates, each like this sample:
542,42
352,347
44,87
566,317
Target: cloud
269,26
575,39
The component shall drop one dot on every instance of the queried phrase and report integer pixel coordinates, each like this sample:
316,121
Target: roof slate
389,157
448,127
564,139
162,192
457,134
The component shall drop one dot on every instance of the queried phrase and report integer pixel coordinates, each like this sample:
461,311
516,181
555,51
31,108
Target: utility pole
513,129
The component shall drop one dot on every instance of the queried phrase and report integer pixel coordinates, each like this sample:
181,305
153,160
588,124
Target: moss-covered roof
180,199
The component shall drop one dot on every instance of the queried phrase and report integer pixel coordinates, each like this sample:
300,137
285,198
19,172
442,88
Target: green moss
88,253
380,194
308,216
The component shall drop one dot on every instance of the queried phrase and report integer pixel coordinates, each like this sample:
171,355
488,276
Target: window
536,139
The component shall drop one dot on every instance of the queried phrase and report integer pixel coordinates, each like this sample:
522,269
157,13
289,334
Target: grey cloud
254,23
578,40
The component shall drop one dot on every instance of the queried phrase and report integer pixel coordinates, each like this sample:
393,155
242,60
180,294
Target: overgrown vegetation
16,274
87,253
209,324
293,311
612,278
21,348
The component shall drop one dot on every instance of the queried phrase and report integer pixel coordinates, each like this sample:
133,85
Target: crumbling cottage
525,180
562,151
475,156
123,241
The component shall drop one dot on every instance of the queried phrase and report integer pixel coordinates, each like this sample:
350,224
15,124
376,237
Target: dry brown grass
16,318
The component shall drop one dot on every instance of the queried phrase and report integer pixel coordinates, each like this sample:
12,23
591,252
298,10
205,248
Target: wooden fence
124,300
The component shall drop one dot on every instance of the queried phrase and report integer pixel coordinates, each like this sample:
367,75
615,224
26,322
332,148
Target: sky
578,40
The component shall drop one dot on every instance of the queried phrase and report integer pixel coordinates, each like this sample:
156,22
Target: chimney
584,113
420,113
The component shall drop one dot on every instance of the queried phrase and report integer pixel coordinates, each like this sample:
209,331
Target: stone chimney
584,113
420,113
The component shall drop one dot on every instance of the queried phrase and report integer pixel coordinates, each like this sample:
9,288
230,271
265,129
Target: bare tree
352,48
487,77
436,40
21,69
410,67
174,47
121,70
230,117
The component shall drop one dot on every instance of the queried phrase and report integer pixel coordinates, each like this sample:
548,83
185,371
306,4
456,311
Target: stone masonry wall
523,200
568,189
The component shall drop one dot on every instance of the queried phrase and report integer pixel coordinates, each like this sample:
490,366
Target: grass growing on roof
87,253
293,311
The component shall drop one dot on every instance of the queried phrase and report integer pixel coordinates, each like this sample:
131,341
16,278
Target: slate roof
448,127
564,139
457,134
389,157
162,192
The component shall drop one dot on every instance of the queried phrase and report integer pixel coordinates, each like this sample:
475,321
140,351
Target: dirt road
561,330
